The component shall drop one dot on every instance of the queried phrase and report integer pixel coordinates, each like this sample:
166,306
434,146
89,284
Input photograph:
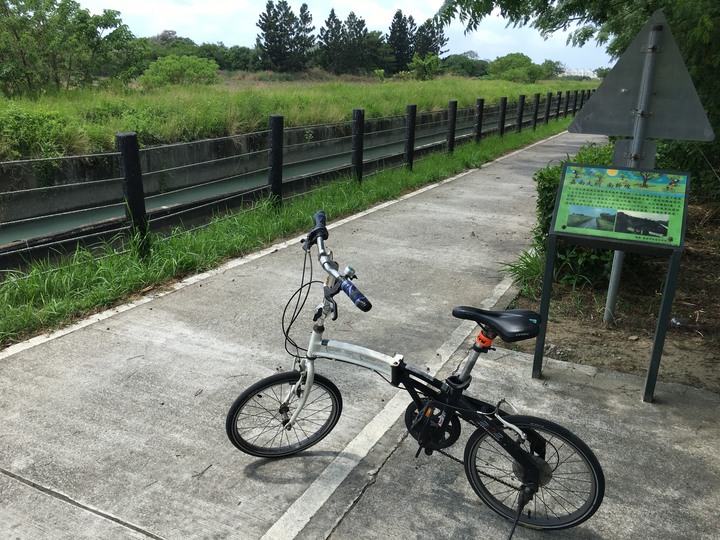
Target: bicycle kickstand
524,497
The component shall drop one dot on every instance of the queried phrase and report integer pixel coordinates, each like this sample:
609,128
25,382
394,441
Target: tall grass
49,295
86,121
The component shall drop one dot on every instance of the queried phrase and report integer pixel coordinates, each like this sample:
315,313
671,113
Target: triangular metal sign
674,111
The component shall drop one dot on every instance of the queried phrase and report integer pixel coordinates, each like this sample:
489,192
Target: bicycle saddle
510,324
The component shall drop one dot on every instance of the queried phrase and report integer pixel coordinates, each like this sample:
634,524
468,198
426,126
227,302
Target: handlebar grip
319,231
358,298
319,218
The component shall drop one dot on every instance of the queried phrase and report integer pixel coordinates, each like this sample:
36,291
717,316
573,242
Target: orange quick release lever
483,340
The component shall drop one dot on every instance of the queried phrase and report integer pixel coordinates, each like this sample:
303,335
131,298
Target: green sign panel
622,207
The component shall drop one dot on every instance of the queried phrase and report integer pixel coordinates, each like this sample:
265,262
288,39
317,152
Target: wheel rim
261,421
567,483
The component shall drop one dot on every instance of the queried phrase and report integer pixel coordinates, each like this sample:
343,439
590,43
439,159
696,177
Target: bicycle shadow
303,467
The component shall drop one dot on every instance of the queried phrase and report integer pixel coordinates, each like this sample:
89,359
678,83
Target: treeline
56,44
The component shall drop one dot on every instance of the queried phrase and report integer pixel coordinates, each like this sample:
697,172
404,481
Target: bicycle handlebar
318,235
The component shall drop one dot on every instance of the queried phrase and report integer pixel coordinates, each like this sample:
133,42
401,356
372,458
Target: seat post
469,363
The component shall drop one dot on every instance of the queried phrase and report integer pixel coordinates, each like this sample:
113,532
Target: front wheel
572,484
256,422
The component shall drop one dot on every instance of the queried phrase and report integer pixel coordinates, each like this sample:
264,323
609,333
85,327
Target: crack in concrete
68,500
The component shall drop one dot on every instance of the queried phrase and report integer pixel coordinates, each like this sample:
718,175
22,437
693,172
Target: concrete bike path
115,427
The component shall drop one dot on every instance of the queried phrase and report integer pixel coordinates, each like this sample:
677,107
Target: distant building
579,72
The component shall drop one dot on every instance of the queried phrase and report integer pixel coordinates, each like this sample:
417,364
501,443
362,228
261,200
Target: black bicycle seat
510,324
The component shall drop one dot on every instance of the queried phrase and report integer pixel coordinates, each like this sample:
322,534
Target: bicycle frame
416,382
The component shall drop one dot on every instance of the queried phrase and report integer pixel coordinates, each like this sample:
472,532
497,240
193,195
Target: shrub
26,133
174,69
574,265
424,68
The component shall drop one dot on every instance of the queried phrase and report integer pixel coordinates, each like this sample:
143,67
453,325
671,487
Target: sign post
625,209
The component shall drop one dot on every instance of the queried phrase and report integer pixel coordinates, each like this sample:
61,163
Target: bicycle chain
461,462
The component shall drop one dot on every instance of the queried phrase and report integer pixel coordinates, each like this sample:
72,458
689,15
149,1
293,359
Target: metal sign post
636,151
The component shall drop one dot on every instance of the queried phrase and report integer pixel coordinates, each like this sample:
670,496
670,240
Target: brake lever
329,296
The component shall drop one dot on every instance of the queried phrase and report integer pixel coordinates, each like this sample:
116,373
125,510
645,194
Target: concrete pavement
114,428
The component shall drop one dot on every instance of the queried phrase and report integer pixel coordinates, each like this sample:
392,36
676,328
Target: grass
85,121
49,295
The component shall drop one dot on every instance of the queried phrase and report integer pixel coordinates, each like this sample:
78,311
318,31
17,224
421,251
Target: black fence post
275,157
358,134
567,103
575,102
127,145
557,106
479,112
548,104
501,121
536,106
452,123
411,114
582,98
520,113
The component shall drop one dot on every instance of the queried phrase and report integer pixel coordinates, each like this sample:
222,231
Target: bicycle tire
571,490
256,420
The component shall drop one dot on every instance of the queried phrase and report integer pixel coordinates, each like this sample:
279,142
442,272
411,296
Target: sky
233,22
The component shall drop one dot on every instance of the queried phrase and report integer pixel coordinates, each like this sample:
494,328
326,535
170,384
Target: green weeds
86,121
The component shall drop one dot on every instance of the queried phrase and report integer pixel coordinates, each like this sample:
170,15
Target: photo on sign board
588,217
642,223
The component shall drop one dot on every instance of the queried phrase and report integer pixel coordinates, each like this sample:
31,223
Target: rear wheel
572,484
256,422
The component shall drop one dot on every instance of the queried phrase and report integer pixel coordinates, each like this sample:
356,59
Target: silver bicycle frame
341,351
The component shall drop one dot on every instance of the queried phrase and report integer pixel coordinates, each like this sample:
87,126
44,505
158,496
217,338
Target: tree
348,47
240,58
515,67
273,42
400,39
168,42
330,44
465,65
424,68
217,52
429,39
601,73
552,69
354,57
179,70
286,40
303,40
378,54
697,22
56,44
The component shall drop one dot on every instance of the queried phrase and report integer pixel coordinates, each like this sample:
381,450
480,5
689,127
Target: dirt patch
691,355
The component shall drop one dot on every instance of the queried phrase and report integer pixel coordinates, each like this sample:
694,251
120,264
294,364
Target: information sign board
616,207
